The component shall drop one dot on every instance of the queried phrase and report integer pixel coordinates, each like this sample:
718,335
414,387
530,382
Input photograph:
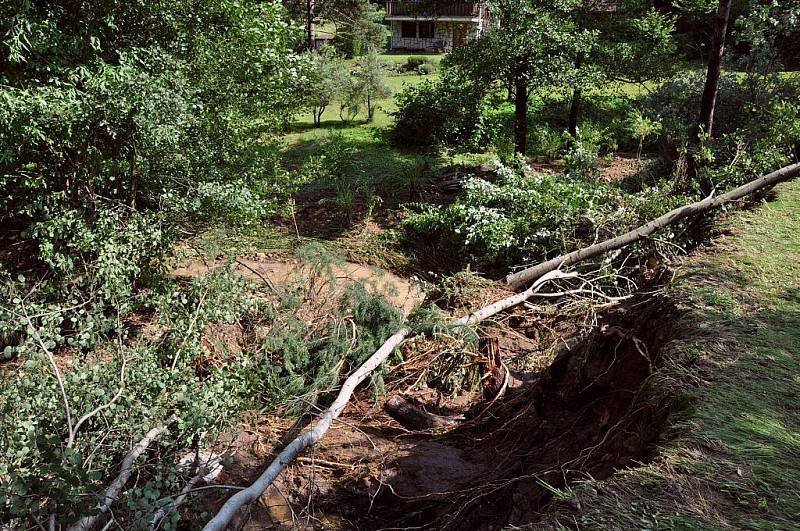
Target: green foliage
303,360
580,160
178,367
426,69
362,31
120,121
642,127
439,112
339,172
150,379
521,218
755,123
414,62
328,78
370,81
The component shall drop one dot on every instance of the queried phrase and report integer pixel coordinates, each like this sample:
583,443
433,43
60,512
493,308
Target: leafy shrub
426,69
136,385
415,61
439,112
642,127
546,142
581,158
521,218
754,130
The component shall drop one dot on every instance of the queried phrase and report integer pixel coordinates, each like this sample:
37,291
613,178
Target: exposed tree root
252,493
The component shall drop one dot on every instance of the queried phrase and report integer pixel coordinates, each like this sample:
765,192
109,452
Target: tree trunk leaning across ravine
540,275
223,518
520,279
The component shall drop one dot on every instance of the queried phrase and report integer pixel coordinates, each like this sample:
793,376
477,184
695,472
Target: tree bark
518,280
521,107
709,101
310,28
228,511
574,108
125,470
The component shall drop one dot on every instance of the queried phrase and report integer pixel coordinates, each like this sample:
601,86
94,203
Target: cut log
413,417
520,279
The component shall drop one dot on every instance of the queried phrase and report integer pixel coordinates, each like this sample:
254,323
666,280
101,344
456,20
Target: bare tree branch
518,280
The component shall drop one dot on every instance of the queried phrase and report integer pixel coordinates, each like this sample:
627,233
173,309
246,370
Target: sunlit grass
736,460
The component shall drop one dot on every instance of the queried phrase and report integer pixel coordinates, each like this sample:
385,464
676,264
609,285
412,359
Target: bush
580,160
426,69
414,62
521,218
755,123
546,142
439,112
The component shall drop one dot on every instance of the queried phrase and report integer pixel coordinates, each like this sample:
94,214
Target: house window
408,30
426,30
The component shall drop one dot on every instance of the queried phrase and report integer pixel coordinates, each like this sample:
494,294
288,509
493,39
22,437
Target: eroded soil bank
585,414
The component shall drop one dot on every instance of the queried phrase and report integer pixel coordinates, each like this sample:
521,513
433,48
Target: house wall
442,37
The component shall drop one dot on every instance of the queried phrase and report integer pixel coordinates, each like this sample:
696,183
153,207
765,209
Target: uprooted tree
540,275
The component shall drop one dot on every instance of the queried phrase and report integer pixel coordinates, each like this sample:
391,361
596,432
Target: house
435,26
323,39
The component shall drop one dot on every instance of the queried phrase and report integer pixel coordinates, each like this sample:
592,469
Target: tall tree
349,16
567,44
633,43
533,47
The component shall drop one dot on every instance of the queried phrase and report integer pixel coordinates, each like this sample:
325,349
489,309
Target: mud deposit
588,413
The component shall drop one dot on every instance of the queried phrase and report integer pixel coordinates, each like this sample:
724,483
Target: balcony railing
434,9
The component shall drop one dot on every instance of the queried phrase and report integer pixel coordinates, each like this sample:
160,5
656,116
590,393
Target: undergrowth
200,353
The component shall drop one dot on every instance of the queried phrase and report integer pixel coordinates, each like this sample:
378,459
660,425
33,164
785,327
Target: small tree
350,97
370,76
326,82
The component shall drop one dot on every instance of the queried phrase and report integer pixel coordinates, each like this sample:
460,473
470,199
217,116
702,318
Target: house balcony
432,9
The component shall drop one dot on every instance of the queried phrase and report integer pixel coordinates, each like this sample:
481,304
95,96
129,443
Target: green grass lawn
383,115
733,458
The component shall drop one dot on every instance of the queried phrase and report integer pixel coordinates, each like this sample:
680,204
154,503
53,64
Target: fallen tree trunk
518,280
125,470
413,417
309,438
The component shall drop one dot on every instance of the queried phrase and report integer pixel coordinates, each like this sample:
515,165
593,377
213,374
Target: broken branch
309,438
519,279
125,470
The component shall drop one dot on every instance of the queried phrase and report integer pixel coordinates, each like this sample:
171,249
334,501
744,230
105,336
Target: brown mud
281,275
586,413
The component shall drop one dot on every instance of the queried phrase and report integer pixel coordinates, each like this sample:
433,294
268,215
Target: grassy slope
733,459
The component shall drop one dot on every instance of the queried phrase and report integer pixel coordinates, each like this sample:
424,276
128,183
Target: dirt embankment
585,415
282,275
